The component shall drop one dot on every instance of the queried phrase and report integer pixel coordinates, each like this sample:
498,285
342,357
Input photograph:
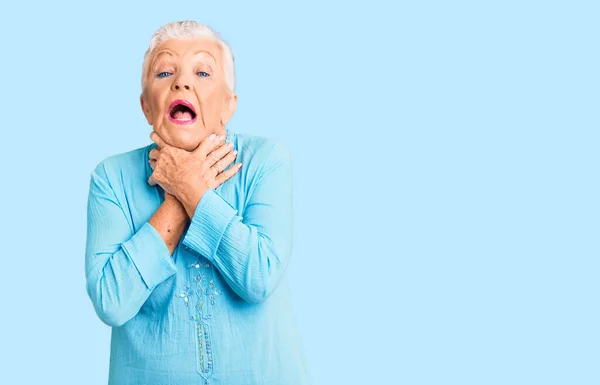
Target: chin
184,139
185,143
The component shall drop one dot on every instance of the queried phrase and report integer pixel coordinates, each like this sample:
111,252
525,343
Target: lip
183,103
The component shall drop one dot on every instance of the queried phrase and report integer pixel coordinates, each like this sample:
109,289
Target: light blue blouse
217,311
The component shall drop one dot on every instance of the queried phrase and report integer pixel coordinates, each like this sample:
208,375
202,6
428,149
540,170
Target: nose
178,85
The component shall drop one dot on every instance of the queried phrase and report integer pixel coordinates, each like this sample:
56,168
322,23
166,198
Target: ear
229,109
146,109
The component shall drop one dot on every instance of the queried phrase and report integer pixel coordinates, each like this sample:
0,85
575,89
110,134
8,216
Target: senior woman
186,251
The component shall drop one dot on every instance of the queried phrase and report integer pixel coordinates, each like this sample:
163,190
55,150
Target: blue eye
163,74
203,74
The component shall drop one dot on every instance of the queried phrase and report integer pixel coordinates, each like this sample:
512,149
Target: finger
153,154
152,163
226,160
208,144
225,175
151,181
215,155
157,139
213,171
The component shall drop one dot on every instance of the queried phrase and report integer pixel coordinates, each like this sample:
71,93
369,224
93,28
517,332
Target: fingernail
230,145
234,152
221,138
212,137
239,165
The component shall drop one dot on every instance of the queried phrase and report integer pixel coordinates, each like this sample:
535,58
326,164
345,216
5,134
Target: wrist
190,199
171,200
173,203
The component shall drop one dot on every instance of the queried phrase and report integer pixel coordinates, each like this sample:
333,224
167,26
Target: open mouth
182,112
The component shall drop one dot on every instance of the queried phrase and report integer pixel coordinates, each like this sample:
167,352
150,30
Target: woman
186,251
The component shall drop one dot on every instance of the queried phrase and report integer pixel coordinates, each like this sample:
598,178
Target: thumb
157,139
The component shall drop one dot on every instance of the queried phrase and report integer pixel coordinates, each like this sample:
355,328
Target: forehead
185,48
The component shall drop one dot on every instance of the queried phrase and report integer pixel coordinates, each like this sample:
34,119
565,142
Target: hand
172,201
188,174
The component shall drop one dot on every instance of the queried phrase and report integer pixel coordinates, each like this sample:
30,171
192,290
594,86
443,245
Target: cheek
208,97
211,105
155,98
157,107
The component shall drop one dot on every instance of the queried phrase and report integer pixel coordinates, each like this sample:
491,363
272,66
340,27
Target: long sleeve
122,267
251,250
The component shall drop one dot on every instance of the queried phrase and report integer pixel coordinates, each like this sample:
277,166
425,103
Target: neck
220,131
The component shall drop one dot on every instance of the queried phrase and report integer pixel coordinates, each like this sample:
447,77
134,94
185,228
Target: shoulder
115,167
264,157
264,150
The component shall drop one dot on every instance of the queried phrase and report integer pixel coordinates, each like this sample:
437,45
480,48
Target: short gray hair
190,30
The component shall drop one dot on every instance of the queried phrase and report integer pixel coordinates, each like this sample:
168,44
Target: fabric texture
217,311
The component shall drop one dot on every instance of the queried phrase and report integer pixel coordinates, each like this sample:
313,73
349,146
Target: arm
251,251
170,221
122,268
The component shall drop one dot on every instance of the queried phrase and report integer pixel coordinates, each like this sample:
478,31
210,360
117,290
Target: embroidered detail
203,337
200,276
185,294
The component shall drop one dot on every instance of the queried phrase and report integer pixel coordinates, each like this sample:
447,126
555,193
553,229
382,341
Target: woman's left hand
188,174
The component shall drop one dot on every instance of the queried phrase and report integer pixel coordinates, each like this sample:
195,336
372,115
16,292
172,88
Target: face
186,97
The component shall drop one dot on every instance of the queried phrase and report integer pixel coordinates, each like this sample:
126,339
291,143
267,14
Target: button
186,248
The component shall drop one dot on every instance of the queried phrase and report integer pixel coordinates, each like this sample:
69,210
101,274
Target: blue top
217,311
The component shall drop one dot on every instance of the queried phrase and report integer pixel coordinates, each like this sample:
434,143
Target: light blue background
446,179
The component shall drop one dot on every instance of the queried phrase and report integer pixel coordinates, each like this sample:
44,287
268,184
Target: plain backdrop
445,174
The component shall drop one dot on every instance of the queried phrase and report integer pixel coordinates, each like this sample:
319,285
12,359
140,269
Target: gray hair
190,30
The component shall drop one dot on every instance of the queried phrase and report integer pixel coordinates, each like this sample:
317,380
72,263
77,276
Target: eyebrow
170,53
158,55
205,52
